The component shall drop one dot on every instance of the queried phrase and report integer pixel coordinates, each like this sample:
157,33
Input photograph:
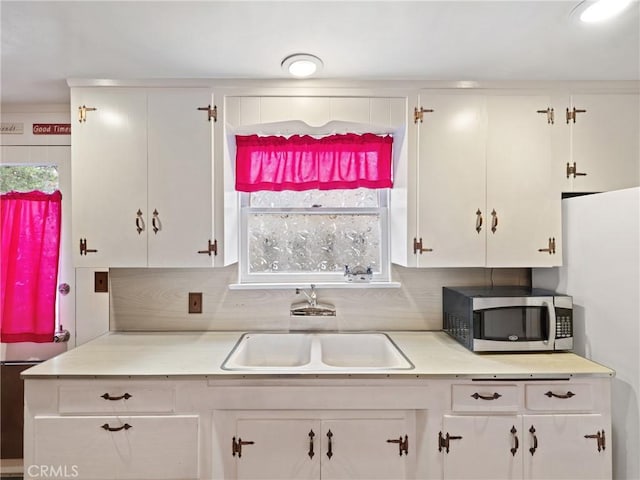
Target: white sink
316,352
281,350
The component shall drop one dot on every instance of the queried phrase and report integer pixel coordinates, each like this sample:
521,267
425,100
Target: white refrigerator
601,270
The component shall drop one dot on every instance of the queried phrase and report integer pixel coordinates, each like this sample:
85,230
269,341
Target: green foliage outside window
21,178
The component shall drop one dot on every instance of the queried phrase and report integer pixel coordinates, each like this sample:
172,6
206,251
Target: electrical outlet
195,302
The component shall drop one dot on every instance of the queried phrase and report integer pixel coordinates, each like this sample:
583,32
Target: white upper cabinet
484,192
451,189
142,178
603,141
109,176
523,210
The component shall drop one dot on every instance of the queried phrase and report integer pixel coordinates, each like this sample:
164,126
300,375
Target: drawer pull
514,432
126,396
569,394
533,449
106,426
477,396
403,445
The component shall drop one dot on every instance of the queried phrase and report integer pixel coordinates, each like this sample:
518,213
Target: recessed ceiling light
603,10
302,65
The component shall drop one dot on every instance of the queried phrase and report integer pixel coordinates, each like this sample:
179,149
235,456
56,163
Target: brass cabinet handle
212,247
478,221
126,396
236,446
106,426
155,221
417,247
569,394
600,439
551,249
329,446
514,432
311,435
139,222
443,441
494,221
83,247
477,396
403,445
82,112
533,449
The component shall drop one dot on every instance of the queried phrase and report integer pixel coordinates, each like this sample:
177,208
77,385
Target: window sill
283,286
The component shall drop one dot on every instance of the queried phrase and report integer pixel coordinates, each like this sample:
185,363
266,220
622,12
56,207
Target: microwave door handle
551,318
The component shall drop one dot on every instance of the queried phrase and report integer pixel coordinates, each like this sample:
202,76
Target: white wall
602,272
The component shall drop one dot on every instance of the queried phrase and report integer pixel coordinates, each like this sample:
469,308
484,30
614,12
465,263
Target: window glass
25,178
315,234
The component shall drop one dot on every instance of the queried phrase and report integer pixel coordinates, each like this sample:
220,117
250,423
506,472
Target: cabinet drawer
116,397
483,398
559,397
158,447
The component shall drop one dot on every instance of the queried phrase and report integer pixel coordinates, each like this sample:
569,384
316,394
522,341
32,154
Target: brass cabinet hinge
418,113
571,114
236,446
573,170
211,112
82,112
211,248
550,114
83,247
403,444
417,247
551,248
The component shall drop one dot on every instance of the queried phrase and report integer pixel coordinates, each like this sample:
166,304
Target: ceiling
44,43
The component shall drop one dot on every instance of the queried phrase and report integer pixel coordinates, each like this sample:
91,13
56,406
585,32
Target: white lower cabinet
530,446
502,440
116,447
326,448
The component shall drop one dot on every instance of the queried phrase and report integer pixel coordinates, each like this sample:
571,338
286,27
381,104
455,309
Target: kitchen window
314,210
314,235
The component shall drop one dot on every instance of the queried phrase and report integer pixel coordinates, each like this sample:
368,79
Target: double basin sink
316,352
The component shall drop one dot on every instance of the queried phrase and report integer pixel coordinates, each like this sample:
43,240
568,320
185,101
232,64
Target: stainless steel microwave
508,319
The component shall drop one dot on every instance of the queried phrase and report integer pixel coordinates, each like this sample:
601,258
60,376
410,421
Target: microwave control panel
564,323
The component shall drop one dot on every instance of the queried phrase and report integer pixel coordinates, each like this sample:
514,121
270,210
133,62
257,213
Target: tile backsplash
157,299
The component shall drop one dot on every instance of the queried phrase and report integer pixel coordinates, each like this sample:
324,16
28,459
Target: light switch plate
195,302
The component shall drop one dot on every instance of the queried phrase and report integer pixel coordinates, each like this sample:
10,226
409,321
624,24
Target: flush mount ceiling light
602,10
302,65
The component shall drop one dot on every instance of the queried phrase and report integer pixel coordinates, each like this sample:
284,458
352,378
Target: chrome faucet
311,307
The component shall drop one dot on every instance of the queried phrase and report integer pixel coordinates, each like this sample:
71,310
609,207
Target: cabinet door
562,449
281,449
157,447
360,449
109,179
451,181
605,142
180,178
487,447
520,186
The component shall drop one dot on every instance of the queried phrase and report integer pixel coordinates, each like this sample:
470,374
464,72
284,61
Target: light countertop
201,354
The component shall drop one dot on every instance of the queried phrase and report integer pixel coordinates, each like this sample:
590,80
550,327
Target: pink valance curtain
302,162
30,250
